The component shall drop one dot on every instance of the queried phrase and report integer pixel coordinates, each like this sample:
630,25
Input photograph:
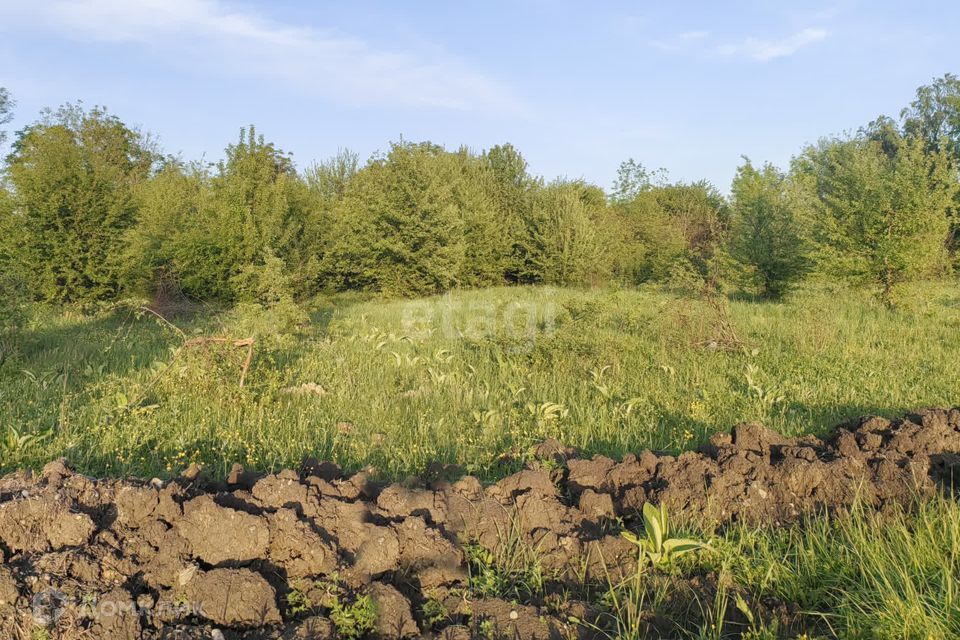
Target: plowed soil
279,555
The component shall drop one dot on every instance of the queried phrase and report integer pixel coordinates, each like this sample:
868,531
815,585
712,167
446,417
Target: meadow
472,378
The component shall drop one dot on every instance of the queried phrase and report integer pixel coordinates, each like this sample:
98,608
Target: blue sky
577,87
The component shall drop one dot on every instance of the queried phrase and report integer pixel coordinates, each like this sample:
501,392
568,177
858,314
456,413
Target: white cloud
218,37
680,41
761,49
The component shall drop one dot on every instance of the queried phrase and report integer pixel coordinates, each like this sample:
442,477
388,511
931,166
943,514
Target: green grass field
471,376
466,378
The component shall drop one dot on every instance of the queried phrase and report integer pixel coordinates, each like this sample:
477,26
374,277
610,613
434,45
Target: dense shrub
398,229
91,213
203,230
765,235
662,225
564,235
13,291
647,242
74,175
699,213
878,212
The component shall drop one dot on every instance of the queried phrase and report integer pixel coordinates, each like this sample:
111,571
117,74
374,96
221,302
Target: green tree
398,229
877,217
74,174
12,275
934,115
12,290
634,179
171,246
210,233
567,231
663,227
700,214
259,197
6,111
329,179
512,189
488,229
647,243
327,182
765,238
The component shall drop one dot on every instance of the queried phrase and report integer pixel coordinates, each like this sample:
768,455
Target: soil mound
313,553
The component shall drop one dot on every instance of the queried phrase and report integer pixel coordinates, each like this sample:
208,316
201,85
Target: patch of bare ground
313,553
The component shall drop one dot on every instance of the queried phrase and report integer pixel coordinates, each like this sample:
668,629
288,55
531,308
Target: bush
74,175
421,220
647,244
266,309
13,289
765,239
397,229
203,230
565,235
661,226
878,210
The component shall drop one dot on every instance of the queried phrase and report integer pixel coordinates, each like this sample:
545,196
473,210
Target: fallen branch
239,343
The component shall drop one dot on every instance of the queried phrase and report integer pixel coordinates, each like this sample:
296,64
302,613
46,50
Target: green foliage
93,217
665,228
647,244
934,115
700,214
171,242
298,601
13,291
329,179
434,612
564,236
398,230
208,233
353,620
419,220
633,179
74,175
879,214
656,546
511,188
765,237
266,309
6,108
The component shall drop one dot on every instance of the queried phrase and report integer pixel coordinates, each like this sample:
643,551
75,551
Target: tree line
92,210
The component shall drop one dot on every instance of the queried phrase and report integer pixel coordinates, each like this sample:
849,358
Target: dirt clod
394,618
193,559
220,534
233,597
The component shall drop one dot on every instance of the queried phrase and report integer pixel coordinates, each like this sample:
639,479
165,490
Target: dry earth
191,558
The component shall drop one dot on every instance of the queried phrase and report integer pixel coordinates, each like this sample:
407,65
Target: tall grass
864,575
466,378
